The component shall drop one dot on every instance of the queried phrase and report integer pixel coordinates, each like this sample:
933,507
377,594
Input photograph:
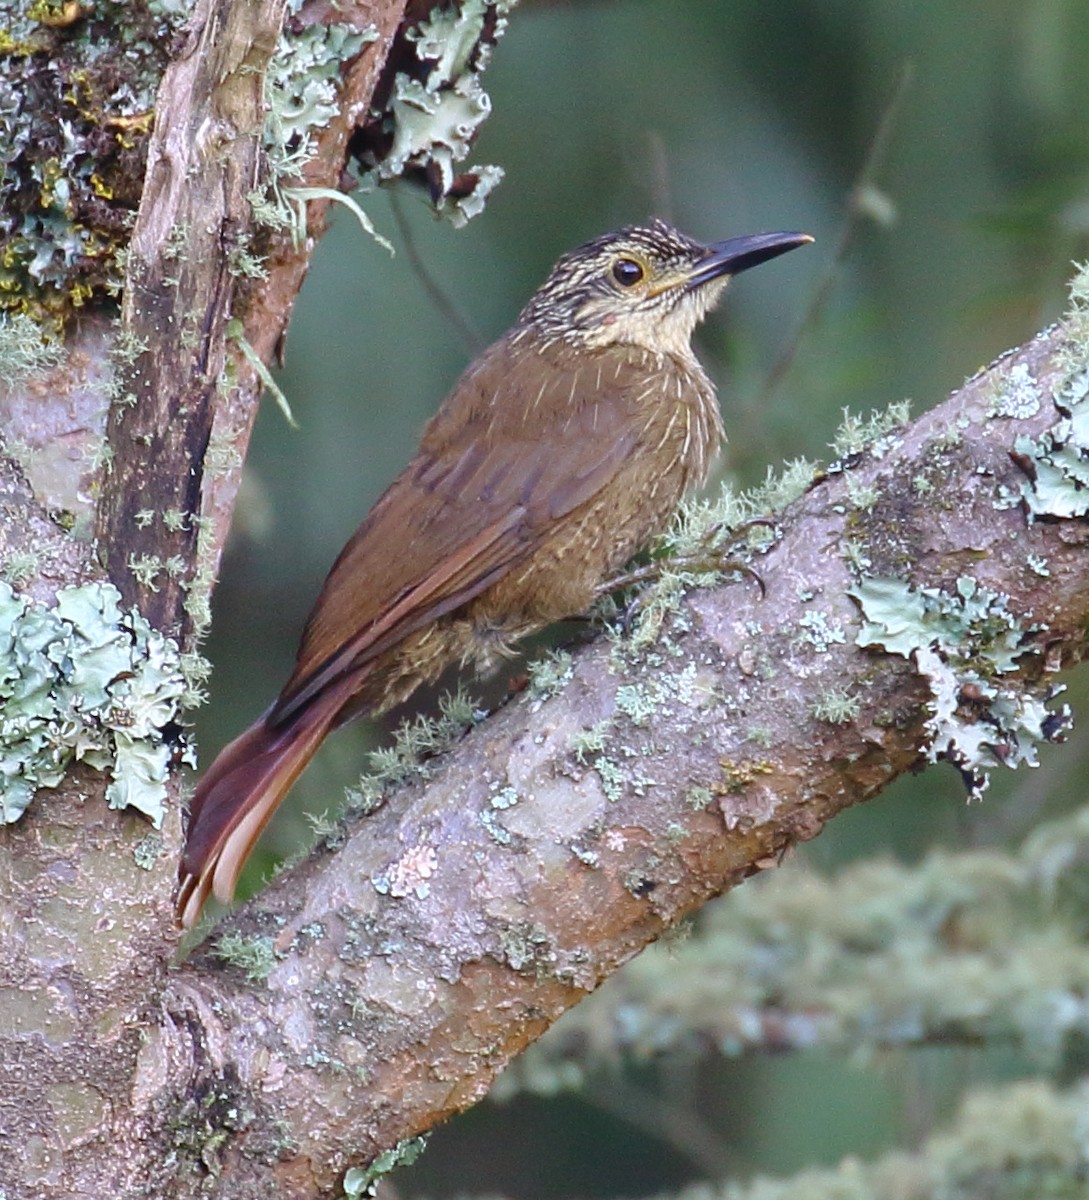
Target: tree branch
454,925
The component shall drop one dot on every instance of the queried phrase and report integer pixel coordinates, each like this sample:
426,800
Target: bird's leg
706,560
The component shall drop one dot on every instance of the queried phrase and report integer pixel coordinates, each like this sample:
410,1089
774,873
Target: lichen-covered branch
961,948
1022,1141
917,600
213,273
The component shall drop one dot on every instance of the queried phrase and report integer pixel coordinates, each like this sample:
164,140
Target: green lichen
434,113
612,775
837,706
25,350
873,433
698,797
415,742
1015,395
862,496
1056,464
549,674
360,1182
255,956
964,642
301,86
637,702
501,798
591,740
77,95
820,632
84,681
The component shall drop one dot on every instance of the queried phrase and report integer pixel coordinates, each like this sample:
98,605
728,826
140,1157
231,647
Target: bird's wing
478,499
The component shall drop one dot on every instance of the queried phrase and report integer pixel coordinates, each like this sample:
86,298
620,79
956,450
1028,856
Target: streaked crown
645,285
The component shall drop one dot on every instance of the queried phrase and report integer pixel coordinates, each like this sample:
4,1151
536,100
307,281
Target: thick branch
564,834
87,912
167,498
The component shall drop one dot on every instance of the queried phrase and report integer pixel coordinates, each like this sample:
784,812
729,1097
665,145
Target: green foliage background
728,117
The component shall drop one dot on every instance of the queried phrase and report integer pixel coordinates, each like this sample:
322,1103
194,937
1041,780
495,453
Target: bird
562,450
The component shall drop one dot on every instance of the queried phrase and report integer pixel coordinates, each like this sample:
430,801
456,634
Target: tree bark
453,926
371,992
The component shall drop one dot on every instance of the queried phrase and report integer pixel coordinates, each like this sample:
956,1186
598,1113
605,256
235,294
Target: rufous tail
237,797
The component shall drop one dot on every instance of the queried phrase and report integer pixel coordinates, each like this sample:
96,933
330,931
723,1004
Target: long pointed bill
738,254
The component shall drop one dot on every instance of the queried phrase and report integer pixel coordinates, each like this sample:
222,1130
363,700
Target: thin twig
661,194
446,306
870,165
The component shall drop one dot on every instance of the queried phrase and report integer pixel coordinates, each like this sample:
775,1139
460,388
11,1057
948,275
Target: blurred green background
727,117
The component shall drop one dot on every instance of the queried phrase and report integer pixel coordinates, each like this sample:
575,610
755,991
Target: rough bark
453,926
456,924
89,931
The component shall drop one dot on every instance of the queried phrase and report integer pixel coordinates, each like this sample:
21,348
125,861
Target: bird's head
644,285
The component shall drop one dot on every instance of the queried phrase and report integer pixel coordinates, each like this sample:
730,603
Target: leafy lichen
1056,464
360,1182
963,643
436,108
84,681
301,96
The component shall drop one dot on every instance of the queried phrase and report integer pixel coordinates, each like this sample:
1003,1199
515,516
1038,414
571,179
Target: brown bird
561,451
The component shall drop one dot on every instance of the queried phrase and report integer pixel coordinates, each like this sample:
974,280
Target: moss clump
77,96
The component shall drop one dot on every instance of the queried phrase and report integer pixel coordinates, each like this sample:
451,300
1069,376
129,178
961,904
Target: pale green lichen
963,643
414,743
25,350
591,740
837,706
862,496
84,681
873,433
819,631
502,797
1016,395
360,1182
638,702
613,777
549,674
301,86
497,831
433,116
255,956
1056,464
698,797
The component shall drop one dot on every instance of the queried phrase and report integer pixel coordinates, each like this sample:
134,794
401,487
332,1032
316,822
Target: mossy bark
371,992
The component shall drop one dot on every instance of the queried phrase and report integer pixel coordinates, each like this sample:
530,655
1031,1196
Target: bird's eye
626,271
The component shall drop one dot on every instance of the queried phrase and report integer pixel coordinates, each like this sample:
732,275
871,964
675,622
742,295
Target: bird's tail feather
237,797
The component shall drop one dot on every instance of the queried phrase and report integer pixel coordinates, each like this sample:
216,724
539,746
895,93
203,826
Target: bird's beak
738,254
